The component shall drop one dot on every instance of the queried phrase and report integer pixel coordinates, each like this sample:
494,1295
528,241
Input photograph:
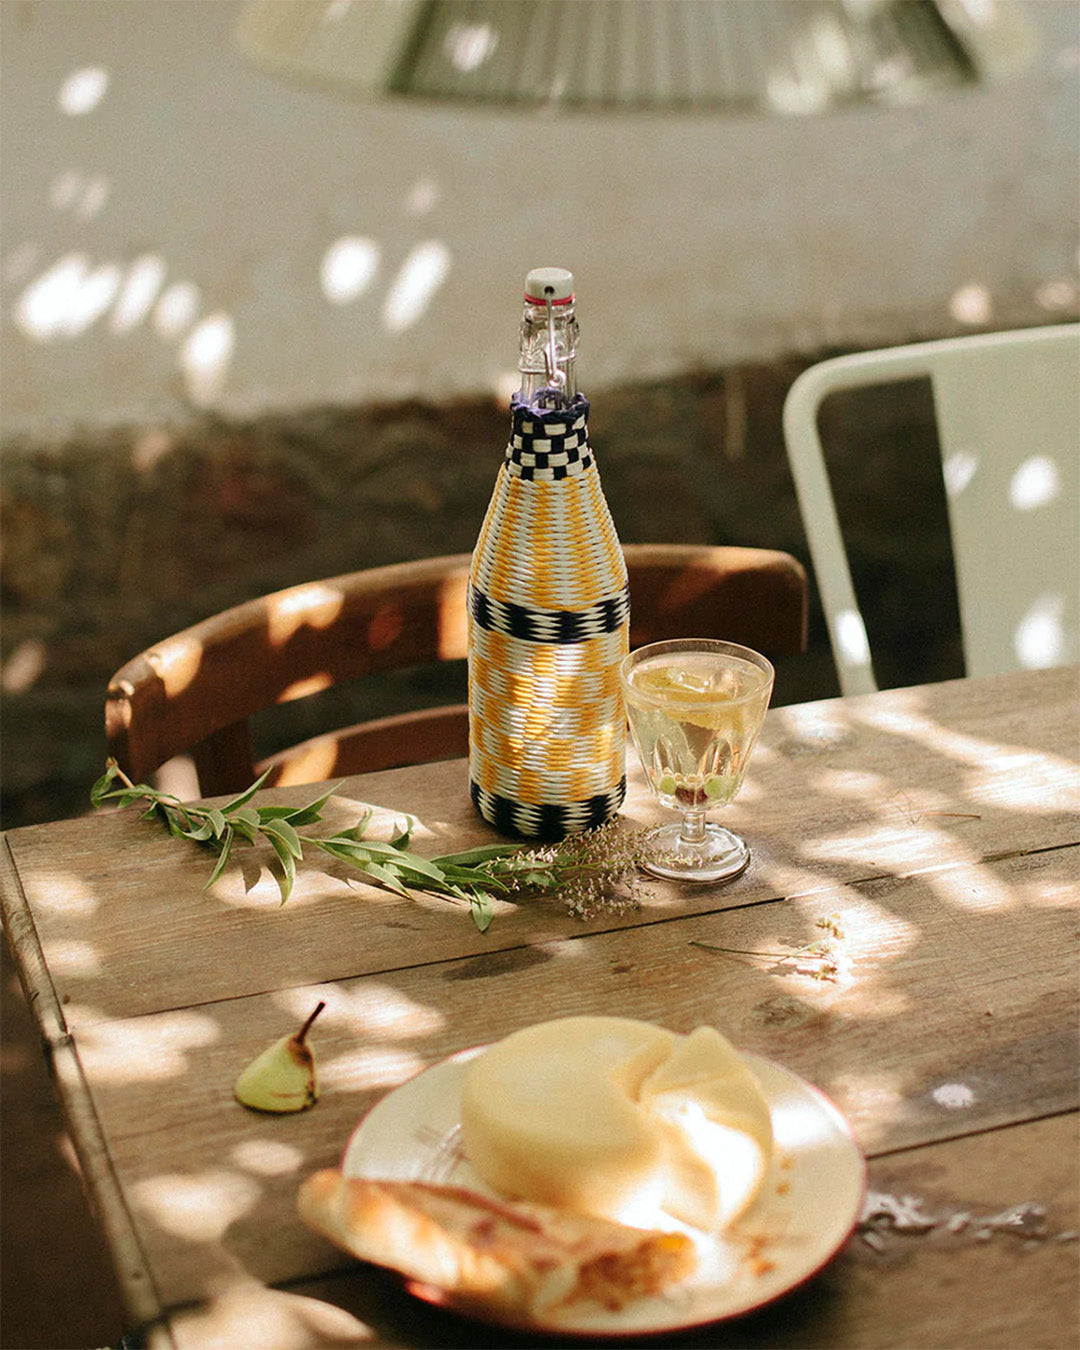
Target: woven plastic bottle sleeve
548,623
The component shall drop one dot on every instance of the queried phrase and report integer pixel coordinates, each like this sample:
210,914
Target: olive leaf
594,870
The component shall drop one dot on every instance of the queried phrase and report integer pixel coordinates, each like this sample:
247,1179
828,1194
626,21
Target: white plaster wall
695,242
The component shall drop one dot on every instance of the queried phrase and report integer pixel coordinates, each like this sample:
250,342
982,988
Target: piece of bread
522,1259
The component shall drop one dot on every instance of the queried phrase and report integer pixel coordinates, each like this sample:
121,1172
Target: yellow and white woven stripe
548,623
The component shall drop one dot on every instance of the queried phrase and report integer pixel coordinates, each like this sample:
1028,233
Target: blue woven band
547,820
549,444
549,625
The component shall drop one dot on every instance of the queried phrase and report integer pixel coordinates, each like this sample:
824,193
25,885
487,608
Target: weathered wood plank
103,1190
891,784
959,1015
25,947
935,1290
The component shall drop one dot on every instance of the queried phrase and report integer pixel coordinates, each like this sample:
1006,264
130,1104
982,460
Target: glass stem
693,827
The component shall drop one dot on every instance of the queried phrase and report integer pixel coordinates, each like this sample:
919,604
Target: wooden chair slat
384,743
195,691
223,760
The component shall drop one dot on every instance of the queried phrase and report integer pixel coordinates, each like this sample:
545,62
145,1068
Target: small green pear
283,1077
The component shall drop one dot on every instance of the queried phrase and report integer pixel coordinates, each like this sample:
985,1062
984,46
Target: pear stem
302,1033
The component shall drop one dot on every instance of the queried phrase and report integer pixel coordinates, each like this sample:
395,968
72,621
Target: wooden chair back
194,692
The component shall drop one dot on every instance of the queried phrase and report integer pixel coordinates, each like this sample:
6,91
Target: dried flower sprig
815,960
591,871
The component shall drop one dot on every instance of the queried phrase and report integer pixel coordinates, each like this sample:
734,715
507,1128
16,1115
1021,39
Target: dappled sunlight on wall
1058,297
348,268
140,287
70,295
83,197
176,309
350,265
421,275
205,357
63,299
423,197
82,91
175,186
67,298
972,305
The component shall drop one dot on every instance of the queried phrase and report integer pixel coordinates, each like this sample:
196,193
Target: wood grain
918,1045
838,792
937,1290
938,828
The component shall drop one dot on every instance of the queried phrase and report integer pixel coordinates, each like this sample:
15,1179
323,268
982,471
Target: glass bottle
548,602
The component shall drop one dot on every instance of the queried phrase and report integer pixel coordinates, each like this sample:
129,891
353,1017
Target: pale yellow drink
695,707
695,717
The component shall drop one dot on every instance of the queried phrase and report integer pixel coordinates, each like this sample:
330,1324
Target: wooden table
941,824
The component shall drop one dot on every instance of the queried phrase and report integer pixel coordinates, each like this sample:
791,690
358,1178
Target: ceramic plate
805,1212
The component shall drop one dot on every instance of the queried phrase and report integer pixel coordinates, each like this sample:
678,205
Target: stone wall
113,540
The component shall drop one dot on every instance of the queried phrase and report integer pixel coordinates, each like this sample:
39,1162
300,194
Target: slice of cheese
618,1118
719,1132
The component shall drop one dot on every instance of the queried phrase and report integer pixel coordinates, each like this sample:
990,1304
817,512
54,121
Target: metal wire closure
556,377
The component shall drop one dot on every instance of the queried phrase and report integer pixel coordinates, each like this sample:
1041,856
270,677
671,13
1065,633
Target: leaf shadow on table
902,1075
946,858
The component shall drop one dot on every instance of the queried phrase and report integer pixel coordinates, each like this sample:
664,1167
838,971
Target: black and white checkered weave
549,820
547,446
549,625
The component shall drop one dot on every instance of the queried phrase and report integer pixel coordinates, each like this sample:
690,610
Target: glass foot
720,856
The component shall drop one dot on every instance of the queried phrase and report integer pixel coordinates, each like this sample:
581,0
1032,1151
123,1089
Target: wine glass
695,707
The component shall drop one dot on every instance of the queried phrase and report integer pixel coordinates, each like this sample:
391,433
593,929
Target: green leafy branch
588,868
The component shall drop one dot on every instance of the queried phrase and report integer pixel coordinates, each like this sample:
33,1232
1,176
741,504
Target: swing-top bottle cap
549,283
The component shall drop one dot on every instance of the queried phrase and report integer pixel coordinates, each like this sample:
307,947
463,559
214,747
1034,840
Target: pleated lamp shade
774,56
